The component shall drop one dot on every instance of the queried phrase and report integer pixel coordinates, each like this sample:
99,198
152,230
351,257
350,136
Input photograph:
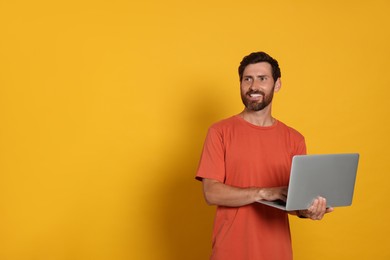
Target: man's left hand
317,210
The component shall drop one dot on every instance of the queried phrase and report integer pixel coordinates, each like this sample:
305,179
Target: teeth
255,95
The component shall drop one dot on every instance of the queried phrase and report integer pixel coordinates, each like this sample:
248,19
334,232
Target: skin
257,88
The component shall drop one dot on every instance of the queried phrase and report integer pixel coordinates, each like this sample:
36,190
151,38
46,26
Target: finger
322,211
311,209
328,210
321,208
283,194
317,209
314,206
321,205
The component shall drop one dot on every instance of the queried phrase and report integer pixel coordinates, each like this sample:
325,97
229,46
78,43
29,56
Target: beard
257,105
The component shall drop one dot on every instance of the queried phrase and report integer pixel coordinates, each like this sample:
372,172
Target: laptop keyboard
280,202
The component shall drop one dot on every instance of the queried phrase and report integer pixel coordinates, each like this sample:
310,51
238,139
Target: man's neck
259,118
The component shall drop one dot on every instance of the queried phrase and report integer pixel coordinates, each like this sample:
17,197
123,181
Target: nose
255,85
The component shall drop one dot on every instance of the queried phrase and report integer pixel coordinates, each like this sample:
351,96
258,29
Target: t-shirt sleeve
212,161
297,142
301,147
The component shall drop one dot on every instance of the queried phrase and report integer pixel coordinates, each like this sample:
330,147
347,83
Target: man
247,158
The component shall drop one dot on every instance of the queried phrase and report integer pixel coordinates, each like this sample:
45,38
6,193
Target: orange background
104,106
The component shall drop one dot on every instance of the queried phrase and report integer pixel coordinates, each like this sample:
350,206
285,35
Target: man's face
258,86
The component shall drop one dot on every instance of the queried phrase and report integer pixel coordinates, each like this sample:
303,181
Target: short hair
256,57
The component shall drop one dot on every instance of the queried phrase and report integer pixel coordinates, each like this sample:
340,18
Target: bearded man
246,158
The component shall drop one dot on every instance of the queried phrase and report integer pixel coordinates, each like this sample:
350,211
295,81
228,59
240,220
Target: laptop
331,176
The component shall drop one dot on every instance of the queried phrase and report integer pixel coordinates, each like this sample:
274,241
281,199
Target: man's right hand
270,194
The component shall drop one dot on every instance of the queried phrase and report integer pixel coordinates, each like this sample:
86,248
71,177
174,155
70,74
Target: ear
278,85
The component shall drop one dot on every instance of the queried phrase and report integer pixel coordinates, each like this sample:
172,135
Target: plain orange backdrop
104,106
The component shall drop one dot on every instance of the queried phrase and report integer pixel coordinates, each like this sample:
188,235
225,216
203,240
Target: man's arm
217,193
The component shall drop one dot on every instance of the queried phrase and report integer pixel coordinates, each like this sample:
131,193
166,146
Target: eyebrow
256,76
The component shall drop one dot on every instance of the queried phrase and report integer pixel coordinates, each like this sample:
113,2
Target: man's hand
316,211
270,194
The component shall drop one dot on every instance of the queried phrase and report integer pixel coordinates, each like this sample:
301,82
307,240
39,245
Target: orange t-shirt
240,154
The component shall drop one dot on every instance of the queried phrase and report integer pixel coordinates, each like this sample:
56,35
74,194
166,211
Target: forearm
220,194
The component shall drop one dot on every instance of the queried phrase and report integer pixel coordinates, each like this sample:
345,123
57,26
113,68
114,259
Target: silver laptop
331,176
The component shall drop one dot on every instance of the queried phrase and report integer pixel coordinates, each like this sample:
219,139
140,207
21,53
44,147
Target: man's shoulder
226,122
291,131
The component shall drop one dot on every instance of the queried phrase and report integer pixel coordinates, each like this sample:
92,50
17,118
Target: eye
263,78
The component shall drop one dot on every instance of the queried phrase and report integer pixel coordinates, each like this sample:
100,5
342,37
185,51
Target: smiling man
247,158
